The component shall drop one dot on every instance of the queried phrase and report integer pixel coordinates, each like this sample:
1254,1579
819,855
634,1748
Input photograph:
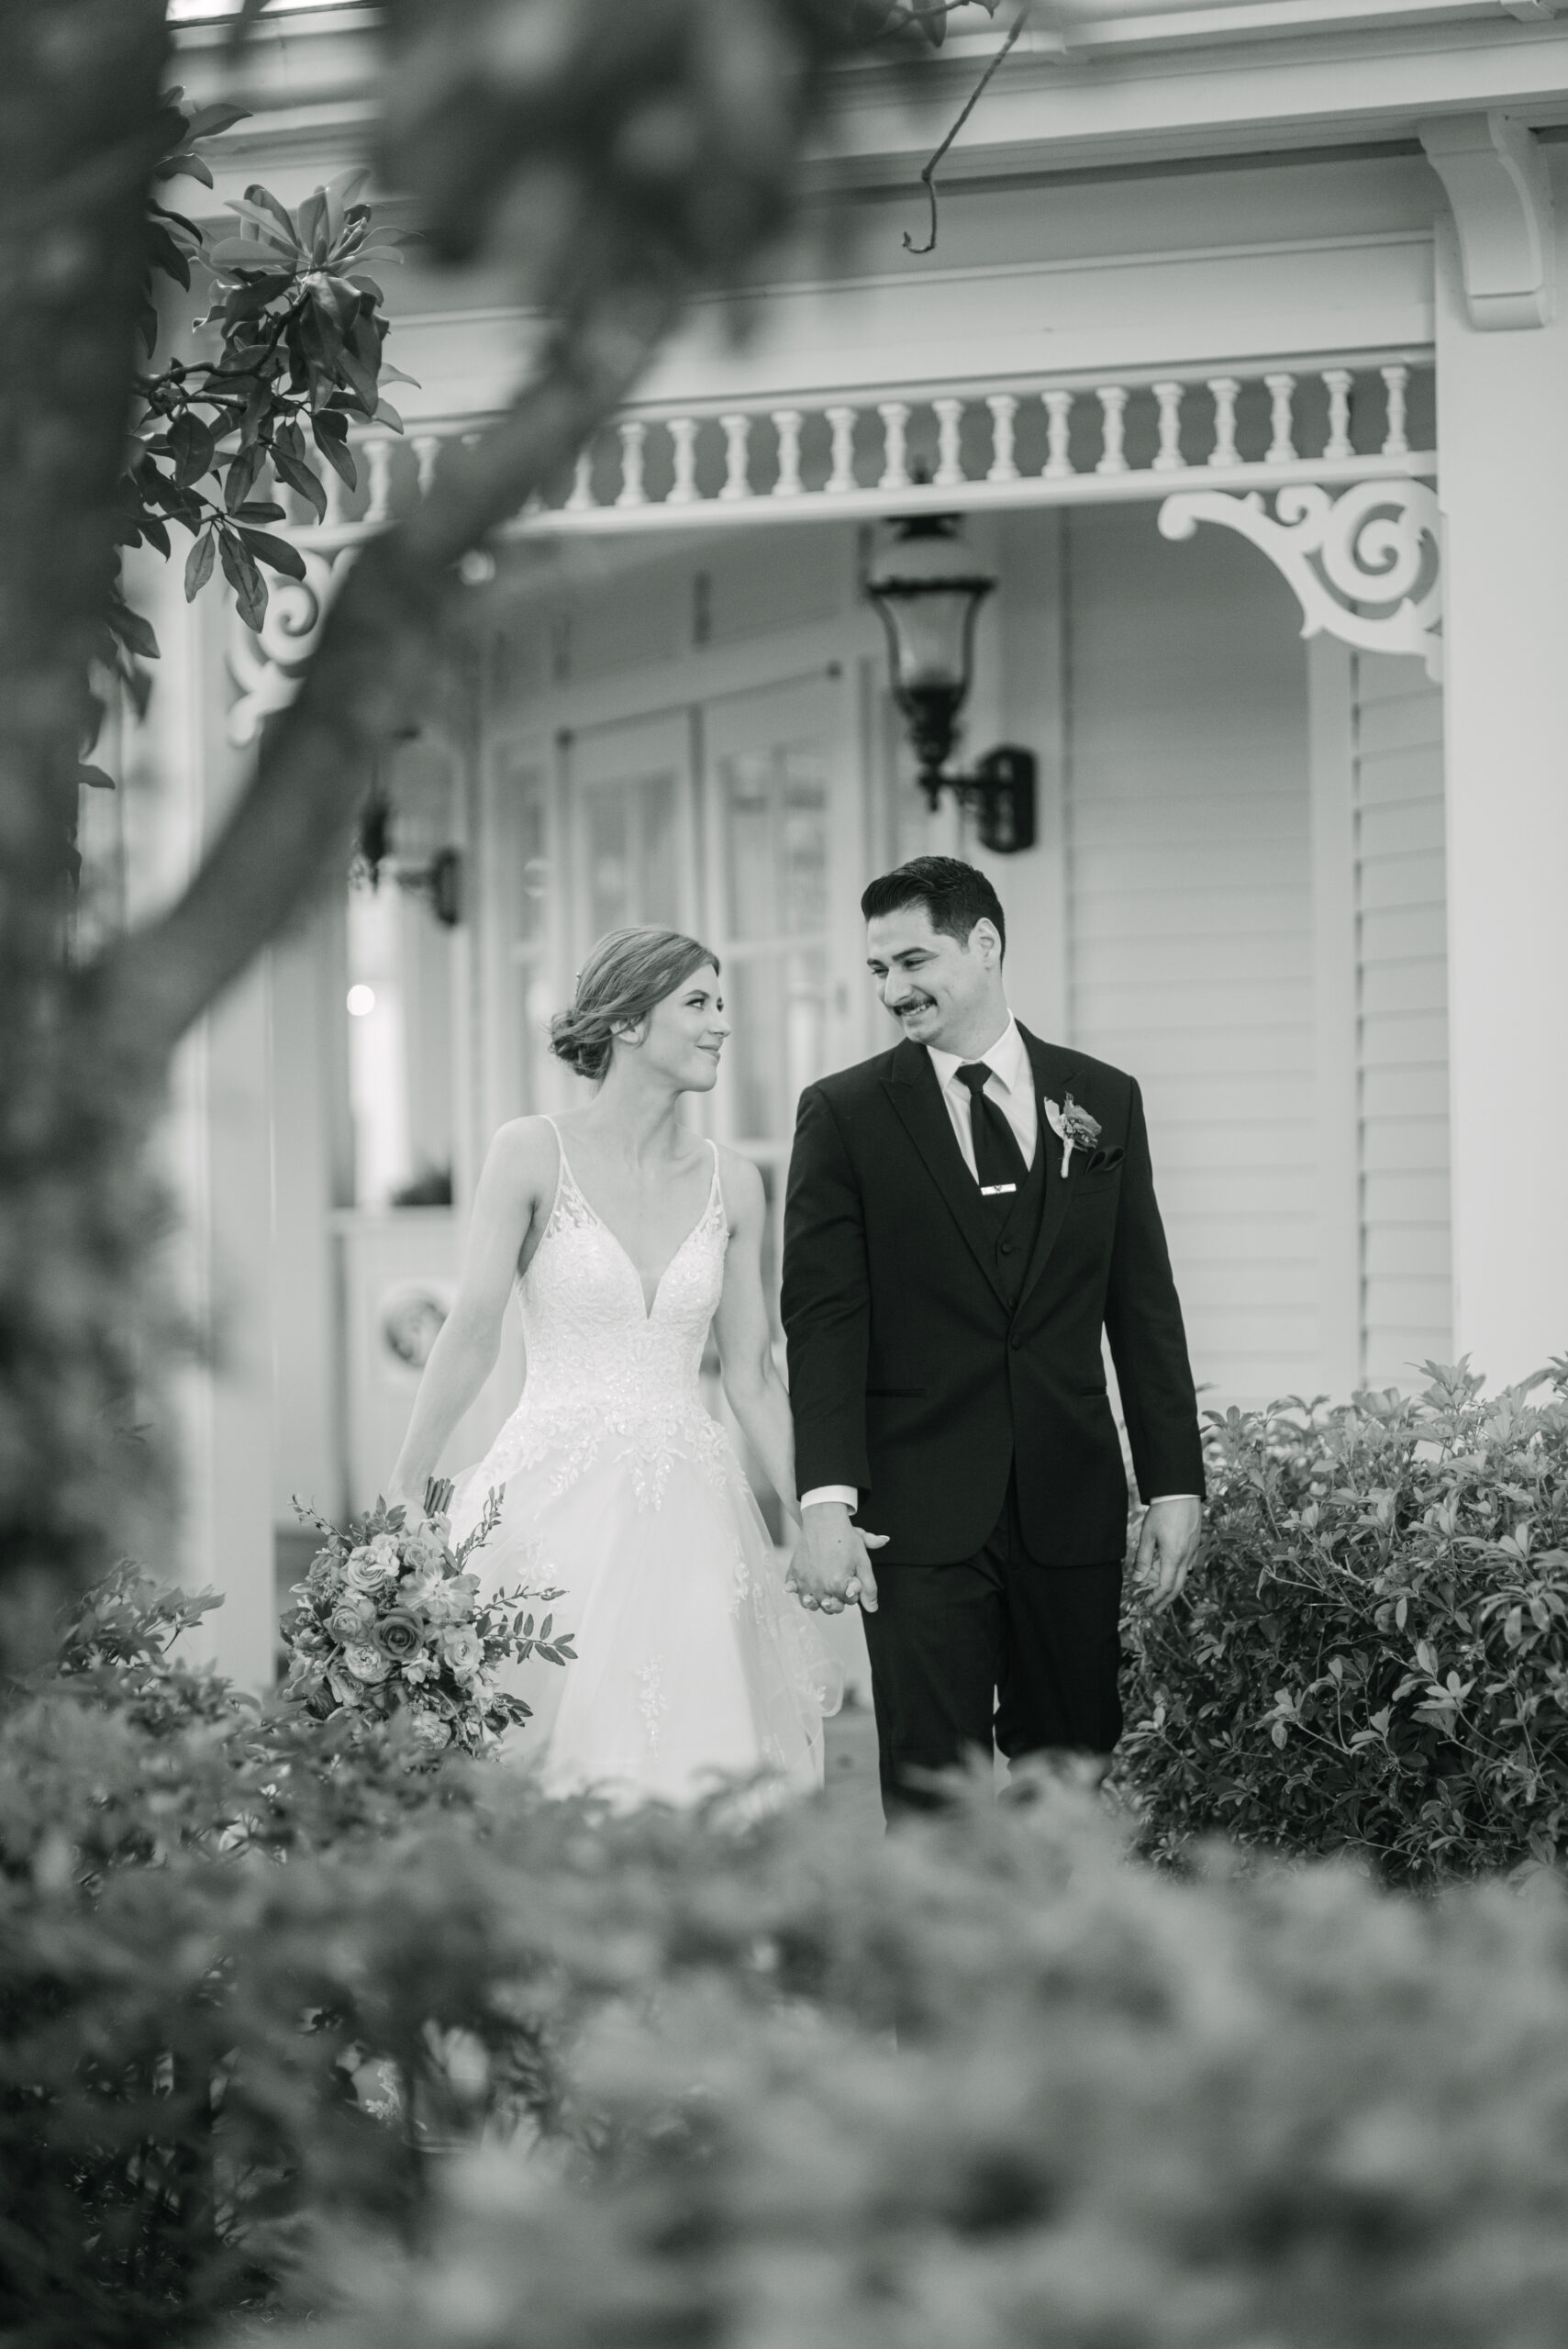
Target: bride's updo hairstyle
629,971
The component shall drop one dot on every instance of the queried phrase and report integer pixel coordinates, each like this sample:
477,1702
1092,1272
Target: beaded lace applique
601,1366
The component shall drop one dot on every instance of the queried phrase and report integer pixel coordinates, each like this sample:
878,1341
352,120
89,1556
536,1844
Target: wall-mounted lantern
438,879
929,600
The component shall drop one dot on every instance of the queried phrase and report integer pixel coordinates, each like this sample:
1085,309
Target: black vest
1015,1222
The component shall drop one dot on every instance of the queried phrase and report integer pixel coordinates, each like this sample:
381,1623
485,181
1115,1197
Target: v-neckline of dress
650,1305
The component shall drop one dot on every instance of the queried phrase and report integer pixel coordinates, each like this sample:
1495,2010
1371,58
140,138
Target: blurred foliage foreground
302,2040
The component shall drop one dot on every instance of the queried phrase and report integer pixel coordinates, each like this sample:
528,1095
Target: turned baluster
950,417
1395,442
1003,407
378,455
895,466
632,436
1224,389
1281,390
1058,409
1168,401
427,448
1338,380
737,439
1113,412
841,479
582,496
786,424
684,436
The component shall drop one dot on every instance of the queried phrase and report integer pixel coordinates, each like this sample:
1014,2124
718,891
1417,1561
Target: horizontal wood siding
1189,890
1402,1026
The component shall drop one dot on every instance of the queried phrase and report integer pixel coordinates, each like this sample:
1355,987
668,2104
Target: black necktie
998,1161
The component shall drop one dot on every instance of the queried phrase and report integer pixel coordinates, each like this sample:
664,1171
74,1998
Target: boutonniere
1074,1128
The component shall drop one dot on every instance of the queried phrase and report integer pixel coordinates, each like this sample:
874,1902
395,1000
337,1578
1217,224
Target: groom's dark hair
954,893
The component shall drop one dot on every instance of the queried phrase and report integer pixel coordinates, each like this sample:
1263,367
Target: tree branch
143,994
928,176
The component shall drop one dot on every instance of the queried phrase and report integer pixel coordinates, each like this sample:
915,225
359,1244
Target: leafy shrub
1126,2111
1373,1657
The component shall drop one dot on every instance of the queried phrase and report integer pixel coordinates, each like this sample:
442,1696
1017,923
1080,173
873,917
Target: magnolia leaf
242,474
198,566
385,413
133,631
331,433
299,476
240,570
264,206
275,551
94,777
259,509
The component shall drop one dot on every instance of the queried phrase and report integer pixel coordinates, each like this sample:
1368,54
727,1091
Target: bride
627,1237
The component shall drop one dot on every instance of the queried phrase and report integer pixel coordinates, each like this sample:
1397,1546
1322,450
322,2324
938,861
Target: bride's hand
832,1566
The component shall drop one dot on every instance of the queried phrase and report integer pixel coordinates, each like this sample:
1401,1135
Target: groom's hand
1167,1545
831,1566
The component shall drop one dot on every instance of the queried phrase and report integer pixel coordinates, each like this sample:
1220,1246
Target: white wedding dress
694,1664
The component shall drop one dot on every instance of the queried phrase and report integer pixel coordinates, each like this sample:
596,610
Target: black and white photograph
783,1175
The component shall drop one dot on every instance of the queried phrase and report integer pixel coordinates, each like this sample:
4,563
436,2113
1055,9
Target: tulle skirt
693,1666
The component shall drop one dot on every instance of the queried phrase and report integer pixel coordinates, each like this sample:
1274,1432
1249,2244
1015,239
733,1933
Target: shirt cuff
848,1494
1173,1496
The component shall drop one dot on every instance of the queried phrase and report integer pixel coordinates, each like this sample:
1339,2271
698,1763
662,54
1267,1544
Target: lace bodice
600,1364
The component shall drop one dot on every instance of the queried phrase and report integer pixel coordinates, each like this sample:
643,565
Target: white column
1502,401
181,776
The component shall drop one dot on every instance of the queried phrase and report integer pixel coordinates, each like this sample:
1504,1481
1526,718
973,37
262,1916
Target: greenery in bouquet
391,1620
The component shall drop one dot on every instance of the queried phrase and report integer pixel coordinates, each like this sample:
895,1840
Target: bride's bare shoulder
524,1154
740,1185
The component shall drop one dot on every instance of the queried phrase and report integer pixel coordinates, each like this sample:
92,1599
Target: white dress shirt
1011,1085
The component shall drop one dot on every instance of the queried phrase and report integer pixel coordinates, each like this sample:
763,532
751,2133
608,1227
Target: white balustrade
787,422
949,414
378,458
1009,446
1338,380
1225,390
895,417
1395,379
684,436
1112,398
1168,408
632,436
841,480
736,438
582,498
1281,390
1059,411
1004,408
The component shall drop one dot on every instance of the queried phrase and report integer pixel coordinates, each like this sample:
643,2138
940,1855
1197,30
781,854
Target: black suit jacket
911,1378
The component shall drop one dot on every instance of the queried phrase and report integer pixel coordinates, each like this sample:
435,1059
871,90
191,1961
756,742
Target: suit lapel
1055,1075
912,1087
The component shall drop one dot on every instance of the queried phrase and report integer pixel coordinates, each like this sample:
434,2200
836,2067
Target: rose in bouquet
389,1620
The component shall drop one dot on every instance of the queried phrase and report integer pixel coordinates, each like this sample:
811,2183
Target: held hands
832,1566
1167,1545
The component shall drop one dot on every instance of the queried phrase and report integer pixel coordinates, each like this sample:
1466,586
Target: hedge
1373,1657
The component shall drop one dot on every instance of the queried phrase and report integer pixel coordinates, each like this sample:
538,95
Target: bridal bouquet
390,1620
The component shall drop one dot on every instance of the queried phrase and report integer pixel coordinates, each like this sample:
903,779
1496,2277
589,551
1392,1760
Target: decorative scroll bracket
267,667
1366,566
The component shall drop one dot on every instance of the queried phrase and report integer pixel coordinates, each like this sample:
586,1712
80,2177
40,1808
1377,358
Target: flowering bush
389,1620
1374,1655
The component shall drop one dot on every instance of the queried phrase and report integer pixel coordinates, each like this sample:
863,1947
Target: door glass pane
633,851
775,804
779,1005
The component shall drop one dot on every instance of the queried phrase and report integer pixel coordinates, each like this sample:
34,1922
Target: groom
964,1215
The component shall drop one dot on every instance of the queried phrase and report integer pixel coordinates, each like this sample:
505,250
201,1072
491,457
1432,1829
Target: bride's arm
517,1177
755,1391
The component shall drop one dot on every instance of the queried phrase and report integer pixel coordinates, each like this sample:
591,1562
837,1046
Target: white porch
1310,897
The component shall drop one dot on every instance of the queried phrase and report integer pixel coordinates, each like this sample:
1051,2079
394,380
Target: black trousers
992,1647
